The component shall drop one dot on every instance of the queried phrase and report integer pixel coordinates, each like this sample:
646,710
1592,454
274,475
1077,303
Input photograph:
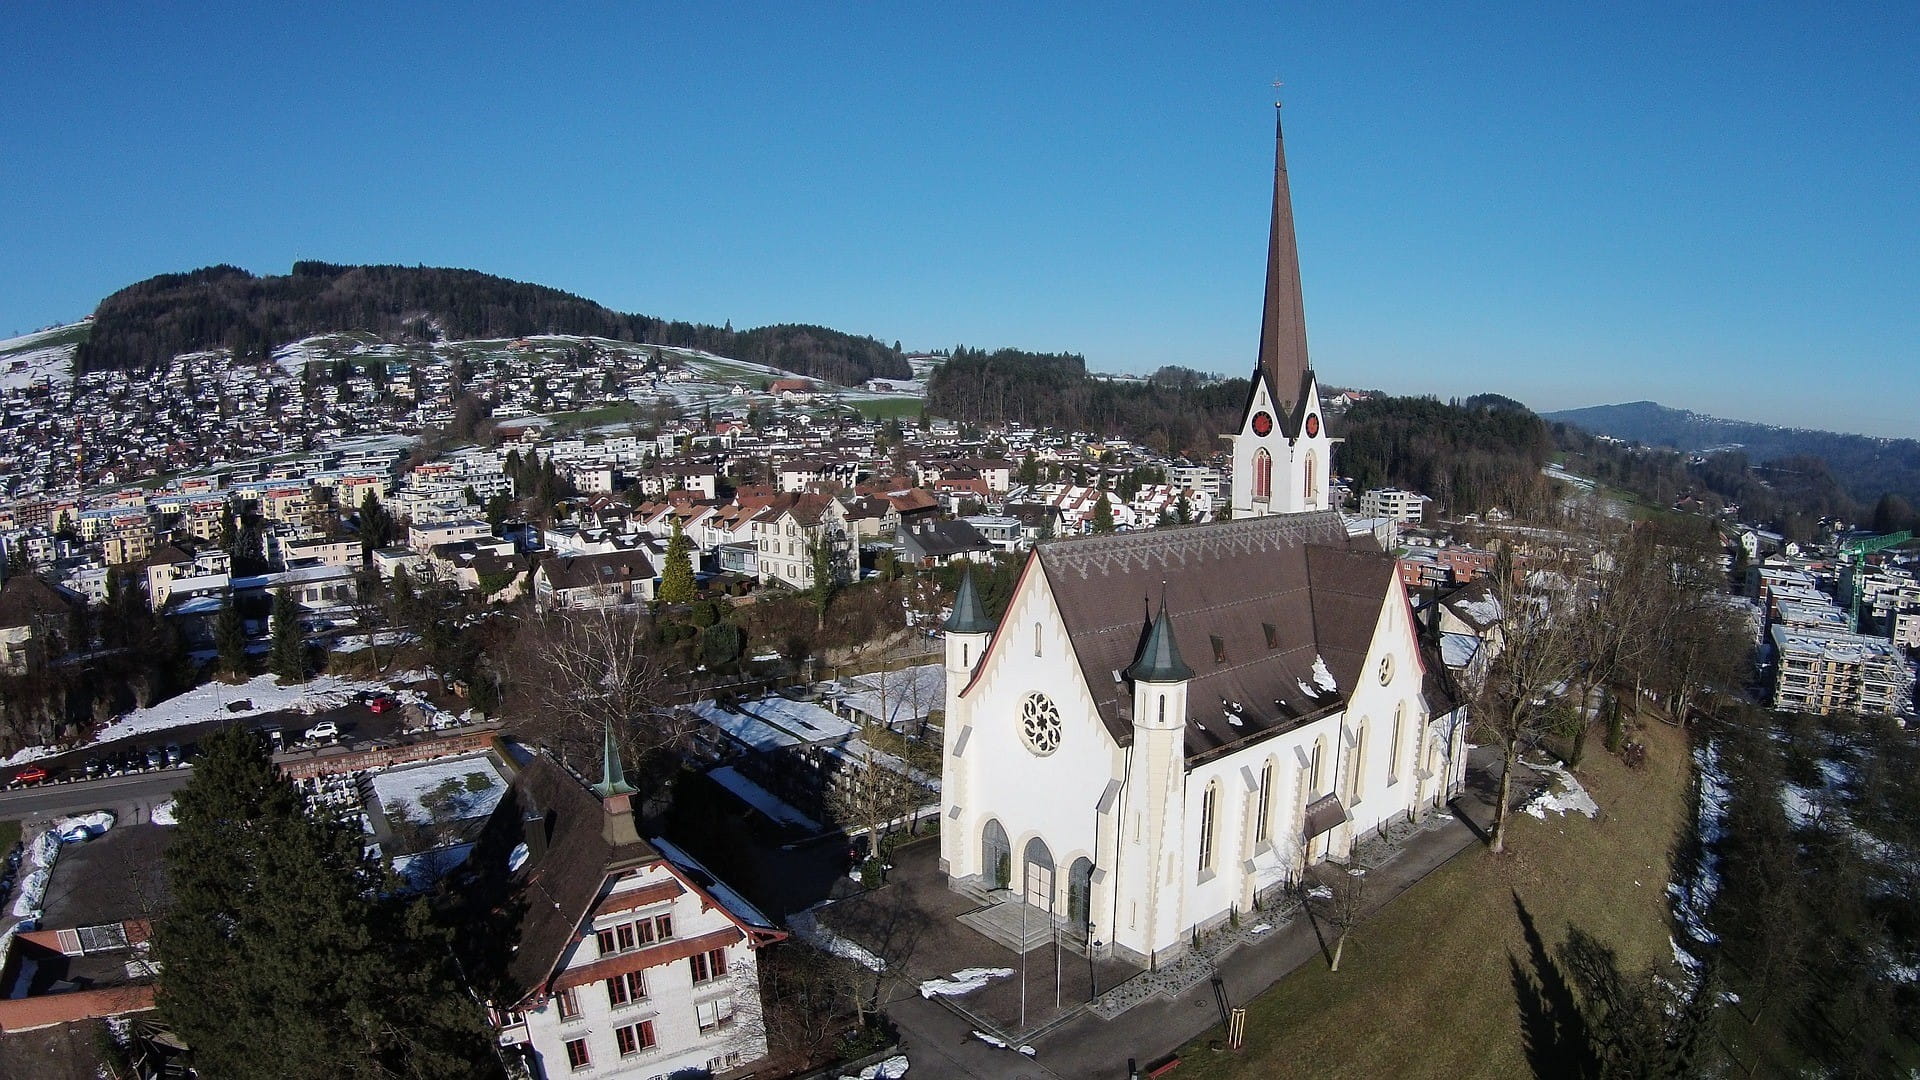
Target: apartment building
1825,672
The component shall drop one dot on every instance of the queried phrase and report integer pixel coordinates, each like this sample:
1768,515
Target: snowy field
45,354
456,789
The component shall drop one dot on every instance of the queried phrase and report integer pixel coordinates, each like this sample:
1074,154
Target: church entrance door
1037,878
1040,886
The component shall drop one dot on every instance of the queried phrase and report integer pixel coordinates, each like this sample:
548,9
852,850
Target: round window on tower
1040,724
1386,670
1262,423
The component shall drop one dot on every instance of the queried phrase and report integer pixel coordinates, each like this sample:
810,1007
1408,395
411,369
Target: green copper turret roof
968,616
613,775
1159,660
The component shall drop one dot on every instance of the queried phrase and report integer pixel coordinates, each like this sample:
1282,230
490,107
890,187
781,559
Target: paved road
131,798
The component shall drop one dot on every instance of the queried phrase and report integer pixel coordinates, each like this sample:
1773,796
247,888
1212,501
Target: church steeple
1283,324
1159,660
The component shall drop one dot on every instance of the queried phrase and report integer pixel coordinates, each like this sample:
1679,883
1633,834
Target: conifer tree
280,956
288,657
1102,514
676,577
230,638
376,525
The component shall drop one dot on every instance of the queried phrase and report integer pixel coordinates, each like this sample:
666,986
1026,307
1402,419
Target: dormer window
1273,634
1219,649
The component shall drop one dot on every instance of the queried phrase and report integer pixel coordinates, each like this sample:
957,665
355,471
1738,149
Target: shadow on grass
1558,1041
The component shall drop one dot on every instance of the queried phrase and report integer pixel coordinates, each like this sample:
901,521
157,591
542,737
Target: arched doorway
996,854
1037,875
1080,892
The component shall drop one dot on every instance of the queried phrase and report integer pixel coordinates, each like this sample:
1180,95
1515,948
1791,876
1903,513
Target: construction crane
1854,553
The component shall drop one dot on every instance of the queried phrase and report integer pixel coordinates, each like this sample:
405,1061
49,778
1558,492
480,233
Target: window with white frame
1208,803
714,1015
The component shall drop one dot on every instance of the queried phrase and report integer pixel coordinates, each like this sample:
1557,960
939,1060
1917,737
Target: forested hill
1866,467
1468,455
1175,411
225,306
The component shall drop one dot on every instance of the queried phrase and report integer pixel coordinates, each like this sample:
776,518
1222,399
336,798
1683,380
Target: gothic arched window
1262,475
1312,489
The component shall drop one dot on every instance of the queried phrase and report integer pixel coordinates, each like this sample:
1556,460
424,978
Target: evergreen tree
1029,474
676,577
230,638
288,657
1102,514
281,957
825,583
376,525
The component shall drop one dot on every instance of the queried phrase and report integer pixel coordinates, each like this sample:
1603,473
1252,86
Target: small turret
1159,660
968,616
616,795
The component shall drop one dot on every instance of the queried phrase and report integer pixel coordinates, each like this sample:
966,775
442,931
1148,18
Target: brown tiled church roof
1252,604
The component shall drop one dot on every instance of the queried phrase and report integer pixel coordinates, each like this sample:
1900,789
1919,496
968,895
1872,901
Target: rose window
1040,724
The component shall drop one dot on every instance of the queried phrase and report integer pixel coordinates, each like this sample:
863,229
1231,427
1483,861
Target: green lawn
9,835
1427,988
587,418
903,408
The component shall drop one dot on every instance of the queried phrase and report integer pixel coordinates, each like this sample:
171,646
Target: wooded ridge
151,321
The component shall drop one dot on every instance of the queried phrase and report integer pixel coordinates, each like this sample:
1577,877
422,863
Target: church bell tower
1282,457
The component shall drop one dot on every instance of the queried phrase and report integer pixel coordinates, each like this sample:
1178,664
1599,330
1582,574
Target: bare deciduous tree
574,674
1544,609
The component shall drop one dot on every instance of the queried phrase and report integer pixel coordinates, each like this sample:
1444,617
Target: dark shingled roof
558,889
26,600
587,571
1160,657
1251,605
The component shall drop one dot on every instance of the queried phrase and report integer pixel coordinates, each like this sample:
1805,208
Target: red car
31,775
382,704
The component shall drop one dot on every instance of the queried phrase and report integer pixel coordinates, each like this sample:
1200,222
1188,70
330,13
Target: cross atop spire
1283,324
613,775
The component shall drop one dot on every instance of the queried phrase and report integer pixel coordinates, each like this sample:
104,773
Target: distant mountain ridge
151,321
1867,466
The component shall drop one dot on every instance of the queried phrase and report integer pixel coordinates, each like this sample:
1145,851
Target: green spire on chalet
613,775
1159,660
968,617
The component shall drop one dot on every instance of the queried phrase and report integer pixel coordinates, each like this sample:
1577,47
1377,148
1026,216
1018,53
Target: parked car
95,767
325,729
383,703
156,758
32,774
174,754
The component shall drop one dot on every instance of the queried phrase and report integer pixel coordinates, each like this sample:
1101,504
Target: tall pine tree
676,577
230,638
280,956
288,658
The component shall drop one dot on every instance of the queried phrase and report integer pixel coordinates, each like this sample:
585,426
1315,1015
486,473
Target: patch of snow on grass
893,1068
1693,896
163,814
808,929
1563,794
962,982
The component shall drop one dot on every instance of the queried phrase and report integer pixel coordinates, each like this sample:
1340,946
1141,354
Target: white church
1166,727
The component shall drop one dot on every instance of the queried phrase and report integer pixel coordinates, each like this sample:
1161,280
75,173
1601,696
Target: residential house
617,957
615,579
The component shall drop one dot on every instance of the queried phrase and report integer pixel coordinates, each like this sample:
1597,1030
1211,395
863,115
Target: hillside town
565,706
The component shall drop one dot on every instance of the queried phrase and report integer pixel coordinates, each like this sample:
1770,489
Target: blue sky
1714,207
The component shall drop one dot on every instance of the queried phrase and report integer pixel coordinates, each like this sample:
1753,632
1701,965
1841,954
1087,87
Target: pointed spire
1283,324
1159,660
613,775
968,617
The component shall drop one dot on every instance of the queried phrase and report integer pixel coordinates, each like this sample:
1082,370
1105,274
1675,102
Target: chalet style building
600,953
1166,727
